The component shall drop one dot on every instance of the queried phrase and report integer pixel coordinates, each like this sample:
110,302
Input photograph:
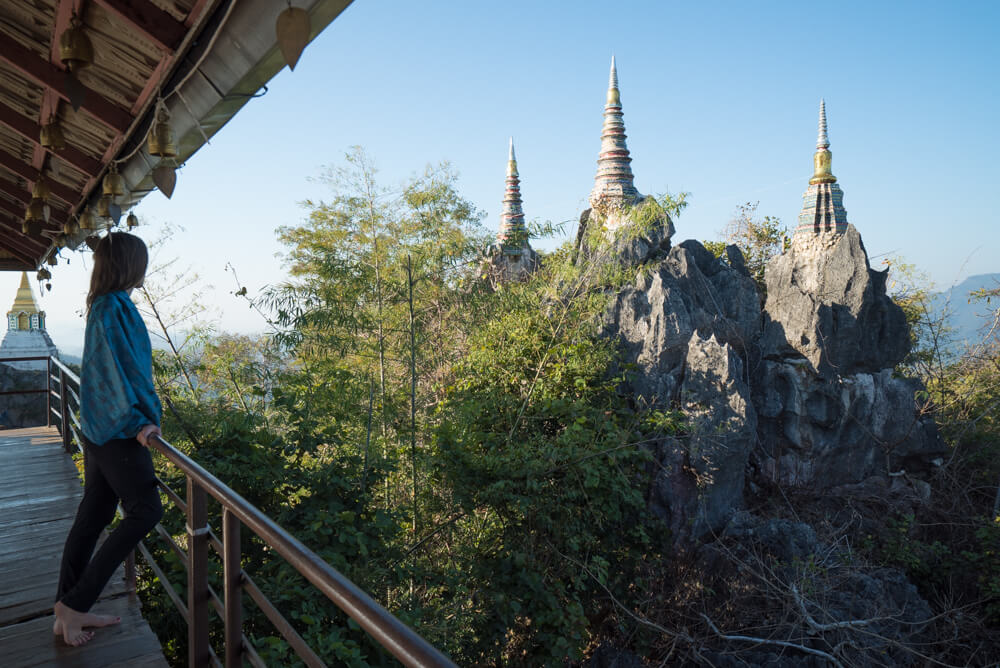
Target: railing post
64,411
197,531
130,581
48,392
233,576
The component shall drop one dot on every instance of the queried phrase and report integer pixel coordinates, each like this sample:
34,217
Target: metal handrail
24,359
388,631
65,369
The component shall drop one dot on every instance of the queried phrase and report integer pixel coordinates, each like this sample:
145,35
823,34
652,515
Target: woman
119,413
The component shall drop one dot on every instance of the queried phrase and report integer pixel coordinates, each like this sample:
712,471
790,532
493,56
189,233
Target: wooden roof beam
16,240
18,215
20,253
30,245
45,73
58,214
15,221
155,24
29,173
30,130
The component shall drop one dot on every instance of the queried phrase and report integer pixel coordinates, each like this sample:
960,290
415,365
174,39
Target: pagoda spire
513,235
613,184
822,141
823,202
24,301
823,158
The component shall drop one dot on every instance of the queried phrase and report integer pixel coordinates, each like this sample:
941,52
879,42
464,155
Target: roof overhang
206,58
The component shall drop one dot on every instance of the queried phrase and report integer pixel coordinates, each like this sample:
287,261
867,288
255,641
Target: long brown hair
120,261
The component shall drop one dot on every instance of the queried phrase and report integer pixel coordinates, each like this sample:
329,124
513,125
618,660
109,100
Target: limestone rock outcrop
703,482
500,267
825,303
693,333
686,326
626,243
655,318
873,613
821,432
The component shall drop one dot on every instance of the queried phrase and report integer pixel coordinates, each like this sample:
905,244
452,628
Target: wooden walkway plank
39,492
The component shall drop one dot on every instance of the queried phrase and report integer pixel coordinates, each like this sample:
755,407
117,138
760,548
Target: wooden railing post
48,392
198,599
233,576
130,577
64,411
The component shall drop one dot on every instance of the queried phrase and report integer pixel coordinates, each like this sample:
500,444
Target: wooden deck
39,493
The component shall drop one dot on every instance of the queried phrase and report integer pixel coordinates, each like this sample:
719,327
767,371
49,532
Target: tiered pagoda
614,189
512,257
823,202
26,335
513,235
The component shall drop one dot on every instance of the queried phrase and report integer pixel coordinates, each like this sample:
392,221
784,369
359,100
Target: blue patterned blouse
117,396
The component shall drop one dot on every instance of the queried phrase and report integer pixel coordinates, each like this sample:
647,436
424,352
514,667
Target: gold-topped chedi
24,302
75,49
823,158
823,202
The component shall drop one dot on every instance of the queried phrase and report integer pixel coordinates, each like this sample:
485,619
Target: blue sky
720,99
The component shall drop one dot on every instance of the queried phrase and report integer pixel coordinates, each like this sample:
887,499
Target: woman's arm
146,433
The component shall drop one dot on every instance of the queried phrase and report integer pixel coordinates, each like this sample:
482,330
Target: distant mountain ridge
968,316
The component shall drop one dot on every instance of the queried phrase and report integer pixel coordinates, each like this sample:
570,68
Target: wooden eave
142,48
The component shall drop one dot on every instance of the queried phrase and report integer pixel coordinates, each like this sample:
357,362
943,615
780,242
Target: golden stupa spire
25,299
823,158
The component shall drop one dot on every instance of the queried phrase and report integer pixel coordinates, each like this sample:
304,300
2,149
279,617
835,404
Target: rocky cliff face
825,303
800,395
820,409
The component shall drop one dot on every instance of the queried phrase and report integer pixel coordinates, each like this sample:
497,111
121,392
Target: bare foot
69,623
91,619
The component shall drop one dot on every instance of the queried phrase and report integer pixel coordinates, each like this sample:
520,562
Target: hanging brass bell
25,227
41,190
114,183
71,227
132,221
44,274
103,207
60,241
52,260
87,221
35,213
160,141
75,49
52,136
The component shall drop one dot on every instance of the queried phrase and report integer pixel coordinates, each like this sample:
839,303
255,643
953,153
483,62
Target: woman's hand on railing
146,433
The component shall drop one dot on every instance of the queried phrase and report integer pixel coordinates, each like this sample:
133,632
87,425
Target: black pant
118,470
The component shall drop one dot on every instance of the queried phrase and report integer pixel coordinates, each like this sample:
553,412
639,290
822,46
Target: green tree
759,239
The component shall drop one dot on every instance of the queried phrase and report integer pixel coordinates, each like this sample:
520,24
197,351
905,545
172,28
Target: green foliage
467,458
716,248
541,458
930,334
759,239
